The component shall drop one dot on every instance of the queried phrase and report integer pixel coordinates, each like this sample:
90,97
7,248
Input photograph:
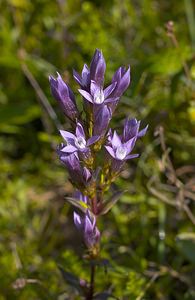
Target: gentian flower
78,141
97,95
63,94
87,225
121,151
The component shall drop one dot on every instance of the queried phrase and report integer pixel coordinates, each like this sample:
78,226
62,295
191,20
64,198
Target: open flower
77,142
87,225
63,94
121,151
97,95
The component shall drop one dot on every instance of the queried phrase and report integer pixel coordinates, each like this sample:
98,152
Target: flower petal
69,149
93,140
110,151
131,156
80,131
86,95
67,136
116,142
109,89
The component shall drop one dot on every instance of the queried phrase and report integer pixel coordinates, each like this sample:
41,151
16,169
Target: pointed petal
86,95
102,119
77,220
130,144
69,149
117,76
77,77
124,82
94,88
93,140
116,141
67,135
97,67
109,89
110,151
131,156
86,174
142,132
80,131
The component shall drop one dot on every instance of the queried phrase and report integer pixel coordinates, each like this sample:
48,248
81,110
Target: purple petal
131,129
130,144
93,140
85,76
110,151
77,220
109,89
88,225
67,135
116,142
86,95
102,119
117,75
124,82
77,77
86,174
79,131
97,67
94,88
131,156
69,149
142,132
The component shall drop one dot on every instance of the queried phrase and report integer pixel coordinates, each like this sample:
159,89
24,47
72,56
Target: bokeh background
148,242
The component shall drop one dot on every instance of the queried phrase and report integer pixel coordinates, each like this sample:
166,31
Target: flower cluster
90,135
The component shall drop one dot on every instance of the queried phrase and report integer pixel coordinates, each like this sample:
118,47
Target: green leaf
109,204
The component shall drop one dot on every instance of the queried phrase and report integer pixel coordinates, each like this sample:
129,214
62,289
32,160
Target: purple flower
131,129
79,175
97,95
78,141
121,151
63,94
87,225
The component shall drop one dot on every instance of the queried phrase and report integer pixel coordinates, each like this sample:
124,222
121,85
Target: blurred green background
148,237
